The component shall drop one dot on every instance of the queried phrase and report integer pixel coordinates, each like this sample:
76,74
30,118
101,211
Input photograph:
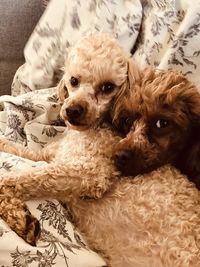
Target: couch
17,20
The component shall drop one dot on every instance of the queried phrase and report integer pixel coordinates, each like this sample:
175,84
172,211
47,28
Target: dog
130,222
160,119
97,73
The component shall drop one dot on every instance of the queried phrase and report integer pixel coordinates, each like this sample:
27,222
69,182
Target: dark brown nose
122,157
75,113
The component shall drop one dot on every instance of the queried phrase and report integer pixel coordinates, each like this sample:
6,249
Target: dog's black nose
74,112
122,157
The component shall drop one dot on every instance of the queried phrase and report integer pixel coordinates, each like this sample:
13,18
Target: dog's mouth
77,125
135,165
131,170
83,124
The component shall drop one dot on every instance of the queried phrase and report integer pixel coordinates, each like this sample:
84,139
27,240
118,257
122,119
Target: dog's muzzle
75,114
122,158
128,162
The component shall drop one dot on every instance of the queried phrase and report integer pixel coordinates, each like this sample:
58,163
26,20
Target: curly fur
152,220
95,60
163,115
149,221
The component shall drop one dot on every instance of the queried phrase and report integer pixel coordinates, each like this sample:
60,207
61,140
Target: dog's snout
121,157
75,112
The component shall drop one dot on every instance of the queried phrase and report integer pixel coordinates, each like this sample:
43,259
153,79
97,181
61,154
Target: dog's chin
77,126
135,170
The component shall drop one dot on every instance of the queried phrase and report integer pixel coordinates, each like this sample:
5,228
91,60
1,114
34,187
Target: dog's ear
134,75
191,164
190,96
194,107
181,91
62,91
131,83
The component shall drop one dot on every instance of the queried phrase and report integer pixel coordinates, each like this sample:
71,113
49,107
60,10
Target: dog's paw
16,214
31,230
95,191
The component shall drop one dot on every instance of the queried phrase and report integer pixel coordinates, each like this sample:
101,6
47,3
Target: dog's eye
162,123
74,81
128,122
107,88
125,124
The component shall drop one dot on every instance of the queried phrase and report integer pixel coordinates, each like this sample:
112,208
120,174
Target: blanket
162,33
33,120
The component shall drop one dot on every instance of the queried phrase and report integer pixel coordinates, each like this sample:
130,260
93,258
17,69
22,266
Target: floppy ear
191,164
62,91
195,109
134,75
131,83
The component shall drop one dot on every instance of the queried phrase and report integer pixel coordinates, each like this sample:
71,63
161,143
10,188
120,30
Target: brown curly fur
161,97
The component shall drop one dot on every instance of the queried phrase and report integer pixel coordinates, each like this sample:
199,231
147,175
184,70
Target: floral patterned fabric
33,119
169,37
163,33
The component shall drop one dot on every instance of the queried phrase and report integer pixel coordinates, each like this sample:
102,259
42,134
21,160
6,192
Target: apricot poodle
97,72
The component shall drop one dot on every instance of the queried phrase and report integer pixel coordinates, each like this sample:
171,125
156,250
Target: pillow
45,3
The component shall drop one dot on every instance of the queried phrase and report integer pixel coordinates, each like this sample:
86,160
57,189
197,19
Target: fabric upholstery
17,20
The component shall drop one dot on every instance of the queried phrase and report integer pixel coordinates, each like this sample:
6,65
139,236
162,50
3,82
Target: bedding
163,33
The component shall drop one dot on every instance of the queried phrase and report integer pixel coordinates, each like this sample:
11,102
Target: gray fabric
45,2
17,20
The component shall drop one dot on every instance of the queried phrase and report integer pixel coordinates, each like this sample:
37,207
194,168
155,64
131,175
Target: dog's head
97,70
159,119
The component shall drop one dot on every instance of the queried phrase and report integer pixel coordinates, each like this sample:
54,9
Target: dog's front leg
21,151
55,180
52,180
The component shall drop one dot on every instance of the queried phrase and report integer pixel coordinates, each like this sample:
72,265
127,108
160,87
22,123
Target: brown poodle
160,117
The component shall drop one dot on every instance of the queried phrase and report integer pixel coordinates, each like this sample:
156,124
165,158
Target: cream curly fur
95,60
152,220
